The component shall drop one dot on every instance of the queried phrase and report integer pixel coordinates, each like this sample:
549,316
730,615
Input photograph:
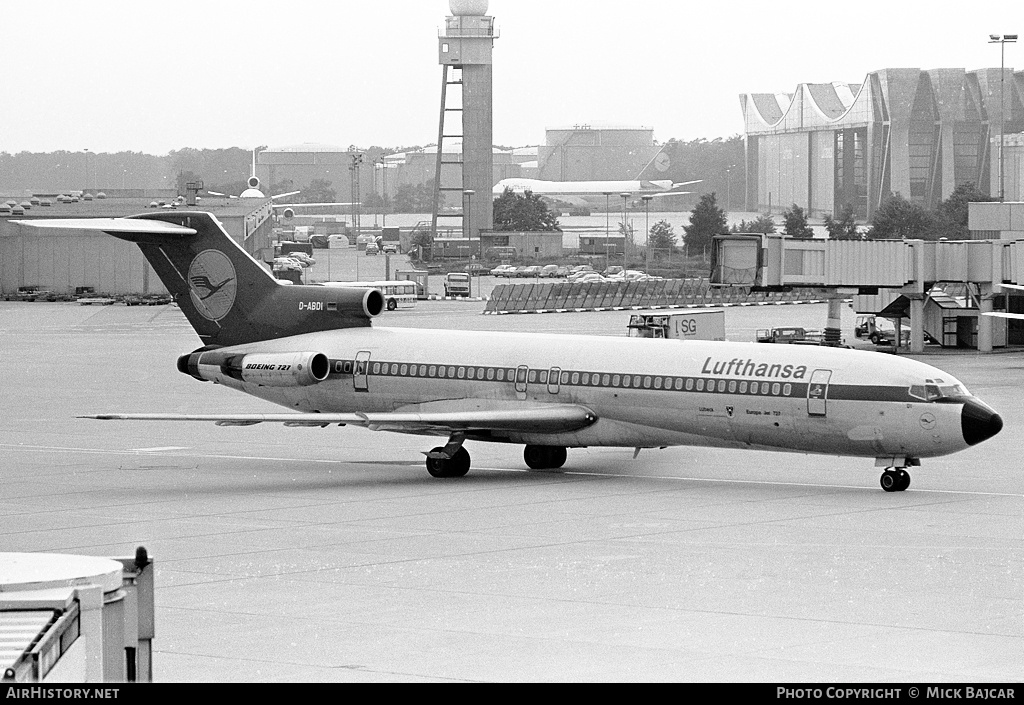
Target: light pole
728,187
1002,41
647,250
625,229
607,225
357,160
468,212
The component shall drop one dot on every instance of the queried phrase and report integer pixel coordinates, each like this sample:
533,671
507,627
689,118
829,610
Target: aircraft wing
1000,314
310,205
551,418
662,194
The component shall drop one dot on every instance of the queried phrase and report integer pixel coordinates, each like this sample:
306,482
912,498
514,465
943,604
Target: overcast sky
150,76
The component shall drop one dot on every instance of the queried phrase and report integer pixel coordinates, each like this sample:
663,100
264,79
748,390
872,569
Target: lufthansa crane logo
212,284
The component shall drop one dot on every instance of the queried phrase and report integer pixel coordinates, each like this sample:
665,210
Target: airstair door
817,393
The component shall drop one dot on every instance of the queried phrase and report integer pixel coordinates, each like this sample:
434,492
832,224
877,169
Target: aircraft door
553,375
522,372
360,371
817,392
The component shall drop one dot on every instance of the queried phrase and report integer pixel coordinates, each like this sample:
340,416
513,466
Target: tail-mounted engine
299,369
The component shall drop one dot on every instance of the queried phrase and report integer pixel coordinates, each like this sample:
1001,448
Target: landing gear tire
544,457
457,466
895,480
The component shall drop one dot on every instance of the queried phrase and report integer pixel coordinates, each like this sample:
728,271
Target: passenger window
423,370
376,368
471,373
403,370
743,387
657,382
689,384
575,377
564,378
679,383
462,373
490,373
711,385
787,390
615,380
647,382
776,388
606,380
732,386
501,374
700,385
433,371
533,376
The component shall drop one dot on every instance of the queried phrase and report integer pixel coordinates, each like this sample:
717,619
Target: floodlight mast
1002,41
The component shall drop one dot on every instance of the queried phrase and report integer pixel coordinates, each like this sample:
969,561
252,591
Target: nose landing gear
895,480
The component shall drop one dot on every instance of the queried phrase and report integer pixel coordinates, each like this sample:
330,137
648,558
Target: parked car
504,270
532,271
391,248
372,249
549,271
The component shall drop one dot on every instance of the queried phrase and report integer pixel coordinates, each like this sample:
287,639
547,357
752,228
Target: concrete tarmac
290,554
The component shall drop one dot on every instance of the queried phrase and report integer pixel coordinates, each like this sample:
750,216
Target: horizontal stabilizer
111,225
554,418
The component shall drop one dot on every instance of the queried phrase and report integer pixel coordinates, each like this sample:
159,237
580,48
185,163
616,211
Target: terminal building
919,133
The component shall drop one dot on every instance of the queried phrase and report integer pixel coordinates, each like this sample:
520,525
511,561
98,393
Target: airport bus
395,293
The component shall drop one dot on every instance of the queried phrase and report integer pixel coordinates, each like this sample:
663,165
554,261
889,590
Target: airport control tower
466,45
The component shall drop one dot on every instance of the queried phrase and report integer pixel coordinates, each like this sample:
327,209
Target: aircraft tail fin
227,296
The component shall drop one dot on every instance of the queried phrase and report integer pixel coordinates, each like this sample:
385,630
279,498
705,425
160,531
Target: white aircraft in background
660,188
1003,314
312,349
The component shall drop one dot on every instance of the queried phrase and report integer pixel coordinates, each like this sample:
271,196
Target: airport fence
600,296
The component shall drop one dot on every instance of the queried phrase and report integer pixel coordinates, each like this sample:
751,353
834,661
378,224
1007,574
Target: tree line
896,218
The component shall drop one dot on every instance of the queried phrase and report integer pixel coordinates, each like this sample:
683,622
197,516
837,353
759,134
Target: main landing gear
452,460
544,457
895,480
455,466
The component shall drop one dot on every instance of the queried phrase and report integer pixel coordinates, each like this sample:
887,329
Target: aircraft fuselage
645,393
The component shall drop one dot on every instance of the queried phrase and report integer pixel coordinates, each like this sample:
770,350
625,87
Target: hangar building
919,133
599,153
62,261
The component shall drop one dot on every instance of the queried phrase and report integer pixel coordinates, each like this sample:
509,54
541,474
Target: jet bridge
842,268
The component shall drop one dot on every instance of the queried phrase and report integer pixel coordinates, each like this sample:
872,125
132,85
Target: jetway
842,268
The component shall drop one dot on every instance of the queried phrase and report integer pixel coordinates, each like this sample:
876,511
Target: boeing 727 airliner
312,350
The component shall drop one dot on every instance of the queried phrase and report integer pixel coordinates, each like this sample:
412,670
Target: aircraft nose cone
979,422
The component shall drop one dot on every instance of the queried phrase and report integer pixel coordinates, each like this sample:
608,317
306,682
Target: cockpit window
935,392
